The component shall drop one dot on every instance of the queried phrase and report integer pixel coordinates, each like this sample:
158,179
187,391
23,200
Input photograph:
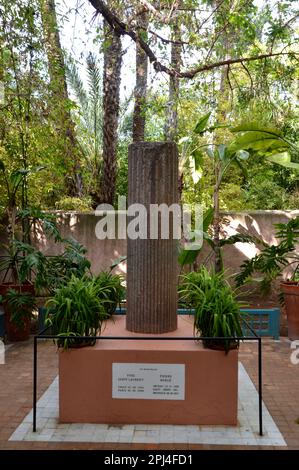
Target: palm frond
76,83
95,101
89,100
94,78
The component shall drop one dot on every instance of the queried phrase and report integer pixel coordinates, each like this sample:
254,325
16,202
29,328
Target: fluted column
152,263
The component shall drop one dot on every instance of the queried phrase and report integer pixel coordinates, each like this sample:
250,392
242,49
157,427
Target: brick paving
281,394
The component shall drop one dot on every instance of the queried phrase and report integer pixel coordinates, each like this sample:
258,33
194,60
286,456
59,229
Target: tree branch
168,41
191,73
122,29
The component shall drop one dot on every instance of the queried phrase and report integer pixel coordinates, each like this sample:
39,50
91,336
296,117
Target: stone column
152,263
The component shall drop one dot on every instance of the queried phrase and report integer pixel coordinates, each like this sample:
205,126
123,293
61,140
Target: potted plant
18,306
216,309
18,265
76,310
272,263
24,268
20,261
13,262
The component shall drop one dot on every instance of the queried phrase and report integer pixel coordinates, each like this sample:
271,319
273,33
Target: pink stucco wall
102,253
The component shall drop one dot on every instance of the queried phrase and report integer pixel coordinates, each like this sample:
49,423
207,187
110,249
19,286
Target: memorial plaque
148,381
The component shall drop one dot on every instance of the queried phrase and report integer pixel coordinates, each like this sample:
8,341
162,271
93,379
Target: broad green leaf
283,159
15,179
195,166
198,158
207,219
196,173
255,127
280,158
187,256
239,238
293,165
201,124
18,175
257,141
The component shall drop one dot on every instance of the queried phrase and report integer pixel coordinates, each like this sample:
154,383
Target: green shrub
21,305
217,311
83,204
76,310
265,194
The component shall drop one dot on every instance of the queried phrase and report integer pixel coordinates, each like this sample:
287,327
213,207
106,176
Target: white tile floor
246,433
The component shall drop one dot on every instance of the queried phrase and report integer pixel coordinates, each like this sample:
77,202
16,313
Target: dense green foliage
271,262
76,309
20,304
262,90
217,312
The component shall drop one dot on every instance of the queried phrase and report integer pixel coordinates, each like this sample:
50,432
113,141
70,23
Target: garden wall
102,253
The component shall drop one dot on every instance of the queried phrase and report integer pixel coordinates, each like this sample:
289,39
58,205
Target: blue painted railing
264,321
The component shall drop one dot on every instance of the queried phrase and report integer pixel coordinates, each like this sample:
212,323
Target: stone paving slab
245,434
280,394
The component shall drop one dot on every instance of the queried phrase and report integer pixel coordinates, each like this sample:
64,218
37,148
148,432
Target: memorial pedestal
148,381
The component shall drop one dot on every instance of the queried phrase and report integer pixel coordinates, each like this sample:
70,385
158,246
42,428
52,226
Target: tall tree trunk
2,90
60,109
217,222
171,127
111,108
221,117
141,84
223,97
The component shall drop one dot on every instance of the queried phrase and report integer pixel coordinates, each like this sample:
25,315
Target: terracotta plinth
210,381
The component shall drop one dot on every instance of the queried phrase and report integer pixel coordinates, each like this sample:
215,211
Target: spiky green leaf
202,123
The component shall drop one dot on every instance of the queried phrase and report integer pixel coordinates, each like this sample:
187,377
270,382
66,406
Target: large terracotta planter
14,332
5,286
291,297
